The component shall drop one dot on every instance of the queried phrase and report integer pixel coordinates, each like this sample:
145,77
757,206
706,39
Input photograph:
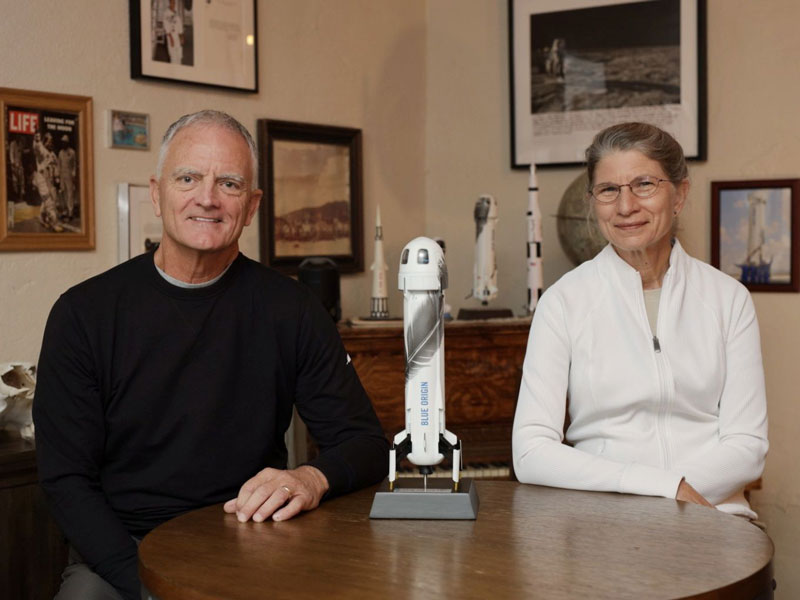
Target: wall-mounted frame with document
46,174
311,177
203,43
139,227
578,66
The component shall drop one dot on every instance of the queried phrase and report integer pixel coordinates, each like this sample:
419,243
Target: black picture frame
601,73
761,250
313,206
228,61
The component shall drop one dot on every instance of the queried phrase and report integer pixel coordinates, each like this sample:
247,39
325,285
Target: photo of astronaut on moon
42,171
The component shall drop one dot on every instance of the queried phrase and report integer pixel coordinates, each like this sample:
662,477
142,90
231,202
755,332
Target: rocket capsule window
404,259
422,257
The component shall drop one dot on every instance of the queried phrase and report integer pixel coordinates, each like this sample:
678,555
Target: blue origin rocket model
484,281
379,305
423,279
424,441
534,243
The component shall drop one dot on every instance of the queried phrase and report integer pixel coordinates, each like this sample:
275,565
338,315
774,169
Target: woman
658,352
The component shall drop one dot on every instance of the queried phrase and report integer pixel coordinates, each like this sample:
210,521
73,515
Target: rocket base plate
409,500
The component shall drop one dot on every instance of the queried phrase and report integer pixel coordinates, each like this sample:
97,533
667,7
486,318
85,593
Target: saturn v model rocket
534,243
424,441
379,306
484,281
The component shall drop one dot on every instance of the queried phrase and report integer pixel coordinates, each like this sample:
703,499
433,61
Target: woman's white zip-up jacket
645,410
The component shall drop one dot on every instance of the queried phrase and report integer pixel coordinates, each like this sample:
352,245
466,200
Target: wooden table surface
528,541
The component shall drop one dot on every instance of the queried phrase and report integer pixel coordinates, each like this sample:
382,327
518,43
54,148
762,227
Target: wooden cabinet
483,368
33,553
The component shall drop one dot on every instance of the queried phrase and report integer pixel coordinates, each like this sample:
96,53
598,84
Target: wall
355,63
428,84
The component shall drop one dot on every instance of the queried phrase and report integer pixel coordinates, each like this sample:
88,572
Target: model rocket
484,281
379,307
423,279
534,243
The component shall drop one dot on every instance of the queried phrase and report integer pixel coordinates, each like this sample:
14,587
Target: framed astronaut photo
312,205
201,43
47,194
755,233
579,66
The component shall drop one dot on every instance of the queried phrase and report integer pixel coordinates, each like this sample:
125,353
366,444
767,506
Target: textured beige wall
428,84
355,63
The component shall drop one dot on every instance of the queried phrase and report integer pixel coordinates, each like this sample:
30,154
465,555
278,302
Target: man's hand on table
278,494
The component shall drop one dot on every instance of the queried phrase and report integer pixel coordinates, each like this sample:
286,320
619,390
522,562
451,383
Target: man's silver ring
286,489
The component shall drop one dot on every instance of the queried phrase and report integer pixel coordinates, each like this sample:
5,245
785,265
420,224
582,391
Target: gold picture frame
47,175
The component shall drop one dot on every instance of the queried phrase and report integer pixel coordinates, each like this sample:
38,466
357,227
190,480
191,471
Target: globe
578,233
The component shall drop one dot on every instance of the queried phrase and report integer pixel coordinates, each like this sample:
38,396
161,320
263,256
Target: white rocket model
379,306
484,281
534,243
423,279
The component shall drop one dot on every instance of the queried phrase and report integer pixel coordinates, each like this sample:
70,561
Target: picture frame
138,226
128,130
578,66
312,181
46,170
198,43
755,232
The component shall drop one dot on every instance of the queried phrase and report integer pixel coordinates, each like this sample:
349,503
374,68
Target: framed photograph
311,177
755,232
47,194
139,227
128,130
578,66
203,43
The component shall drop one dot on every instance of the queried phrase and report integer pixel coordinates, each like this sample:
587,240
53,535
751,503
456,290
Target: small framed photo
755,232
201,43
311,177
139,227
47,193
583,65
128,130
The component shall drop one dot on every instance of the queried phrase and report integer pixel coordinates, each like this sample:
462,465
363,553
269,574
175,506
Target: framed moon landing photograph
754,233
578,66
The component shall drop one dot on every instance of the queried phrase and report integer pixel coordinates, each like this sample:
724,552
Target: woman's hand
686,493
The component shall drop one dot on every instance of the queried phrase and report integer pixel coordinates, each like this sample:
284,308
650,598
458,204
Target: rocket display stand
424,441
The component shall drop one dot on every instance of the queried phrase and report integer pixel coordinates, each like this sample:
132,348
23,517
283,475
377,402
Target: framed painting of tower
755,233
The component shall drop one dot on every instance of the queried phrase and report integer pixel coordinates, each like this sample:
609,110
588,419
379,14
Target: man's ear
255,202
155,195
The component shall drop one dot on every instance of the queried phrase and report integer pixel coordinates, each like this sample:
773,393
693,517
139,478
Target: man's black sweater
153,400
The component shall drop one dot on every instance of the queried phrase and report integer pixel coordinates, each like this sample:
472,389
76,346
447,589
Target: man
68,171
167,383
173,31
44,180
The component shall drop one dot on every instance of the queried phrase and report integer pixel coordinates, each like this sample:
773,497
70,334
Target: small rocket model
423,279
484,281
534,243
379,306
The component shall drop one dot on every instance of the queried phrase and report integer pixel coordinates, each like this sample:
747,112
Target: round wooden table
528,541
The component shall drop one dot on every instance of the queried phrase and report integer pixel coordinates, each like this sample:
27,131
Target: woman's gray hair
209,117
656,144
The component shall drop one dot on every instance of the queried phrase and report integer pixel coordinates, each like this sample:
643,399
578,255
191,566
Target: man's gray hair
209,117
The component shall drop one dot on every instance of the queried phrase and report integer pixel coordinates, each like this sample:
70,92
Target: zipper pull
656,345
